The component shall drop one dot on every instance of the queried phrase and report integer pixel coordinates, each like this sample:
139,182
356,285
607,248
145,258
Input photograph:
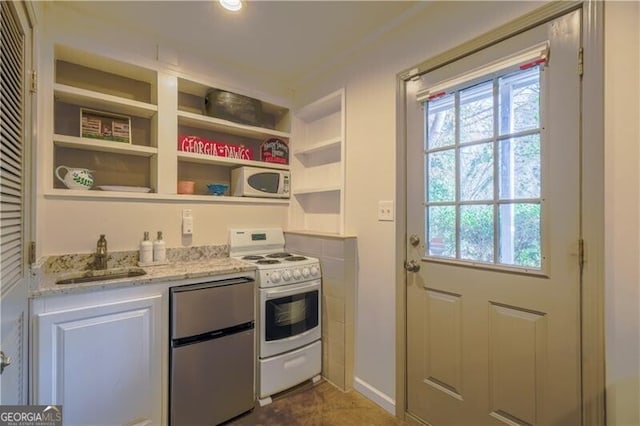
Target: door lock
5,361
414,240
412,266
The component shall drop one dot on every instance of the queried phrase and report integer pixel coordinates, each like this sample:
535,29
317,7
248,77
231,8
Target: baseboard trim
375,395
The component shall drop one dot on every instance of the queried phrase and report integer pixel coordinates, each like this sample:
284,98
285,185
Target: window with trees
483,143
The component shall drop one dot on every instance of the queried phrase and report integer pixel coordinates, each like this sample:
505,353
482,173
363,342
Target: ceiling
289,40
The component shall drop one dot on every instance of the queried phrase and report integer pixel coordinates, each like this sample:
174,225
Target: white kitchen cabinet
100,355
161,105
318,166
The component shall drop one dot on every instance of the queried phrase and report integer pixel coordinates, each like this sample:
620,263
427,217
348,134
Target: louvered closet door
15,118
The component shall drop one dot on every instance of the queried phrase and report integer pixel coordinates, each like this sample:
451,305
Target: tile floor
322,404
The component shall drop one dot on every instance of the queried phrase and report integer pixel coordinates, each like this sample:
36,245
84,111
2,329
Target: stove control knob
305,272
275,277
314,271
296,274
286,275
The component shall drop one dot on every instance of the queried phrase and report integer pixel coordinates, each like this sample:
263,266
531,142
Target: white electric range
289,287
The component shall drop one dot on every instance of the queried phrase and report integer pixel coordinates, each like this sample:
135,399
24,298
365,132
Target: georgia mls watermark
30,415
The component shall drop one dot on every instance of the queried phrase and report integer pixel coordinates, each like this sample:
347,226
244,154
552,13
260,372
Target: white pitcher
75,178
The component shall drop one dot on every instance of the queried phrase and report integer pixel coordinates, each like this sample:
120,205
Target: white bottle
159,249
146,249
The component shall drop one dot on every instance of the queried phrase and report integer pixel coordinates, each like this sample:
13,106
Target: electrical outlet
187,222
385,211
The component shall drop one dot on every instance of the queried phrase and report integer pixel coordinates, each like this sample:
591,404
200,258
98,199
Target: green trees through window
483,171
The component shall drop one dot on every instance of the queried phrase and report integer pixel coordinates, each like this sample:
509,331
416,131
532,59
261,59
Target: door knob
412,266
5,361
414,240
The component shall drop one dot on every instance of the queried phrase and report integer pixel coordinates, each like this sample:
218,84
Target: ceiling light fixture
232,5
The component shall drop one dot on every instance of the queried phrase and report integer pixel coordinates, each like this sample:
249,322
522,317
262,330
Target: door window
483,144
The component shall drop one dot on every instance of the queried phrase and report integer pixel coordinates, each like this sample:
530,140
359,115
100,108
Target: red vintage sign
204,146
274,150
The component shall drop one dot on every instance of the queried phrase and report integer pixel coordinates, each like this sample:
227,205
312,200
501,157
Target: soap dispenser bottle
159,249
146,249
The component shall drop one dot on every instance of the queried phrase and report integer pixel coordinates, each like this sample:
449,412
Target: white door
493,313
15,212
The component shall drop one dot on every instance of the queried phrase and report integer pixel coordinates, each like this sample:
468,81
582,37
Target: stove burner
253,257
279,255
295,258
267,261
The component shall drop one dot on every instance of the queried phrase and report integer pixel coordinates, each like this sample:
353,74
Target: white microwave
258,182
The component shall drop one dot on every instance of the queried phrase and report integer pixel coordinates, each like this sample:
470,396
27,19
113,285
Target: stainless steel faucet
101,253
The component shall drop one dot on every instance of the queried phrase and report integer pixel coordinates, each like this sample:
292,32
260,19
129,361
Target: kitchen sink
100,275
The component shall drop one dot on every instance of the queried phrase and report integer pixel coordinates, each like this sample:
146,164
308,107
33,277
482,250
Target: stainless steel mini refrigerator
212,353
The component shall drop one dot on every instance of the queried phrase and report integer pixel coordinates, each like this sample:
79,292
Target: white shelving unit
116,195
102,101
85,80
318,166
103,146
228,162
161,106
192,121
216,124
316,190
325,145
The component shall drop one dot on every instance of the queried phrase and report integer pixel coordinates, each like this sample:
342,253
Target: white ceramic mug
76,177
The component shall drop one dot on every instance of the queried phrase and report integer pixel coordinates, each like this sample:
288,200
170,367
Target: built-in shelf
104,146
101,101
105,64
85,80
322,107
325,145
316,190
318,167
186,118
226,161
111,195
332,235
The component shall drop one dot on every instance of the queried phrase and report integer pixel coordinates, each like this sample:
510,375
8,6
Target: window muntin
483,171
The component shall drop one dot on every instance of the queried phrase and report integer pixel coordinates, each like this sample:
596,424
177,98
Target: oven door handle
271,294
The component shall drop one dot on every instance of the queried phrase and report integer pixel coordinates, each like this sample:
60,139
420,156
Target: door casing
592,200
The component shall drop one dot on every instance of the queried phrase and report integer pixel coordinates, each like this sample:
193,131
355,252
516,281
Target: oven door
289,317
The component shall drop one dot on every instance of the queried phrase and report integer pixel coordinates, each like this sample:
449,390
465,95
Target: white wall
622,211
370,81
73,226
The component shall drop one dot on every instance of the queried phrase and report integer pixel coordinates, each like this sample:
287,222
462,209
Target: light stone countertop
48,271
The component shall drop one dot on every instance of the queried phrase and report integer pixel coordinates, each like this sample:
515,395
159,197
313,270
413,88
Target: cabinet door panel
102,363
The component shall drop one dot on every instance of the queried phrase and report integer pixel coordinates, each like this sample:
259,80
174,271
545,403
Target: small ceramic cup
186,186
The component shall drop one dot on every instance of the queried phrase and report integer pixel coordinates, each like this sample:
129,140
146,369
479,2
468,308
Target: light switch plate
187,222
385,211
